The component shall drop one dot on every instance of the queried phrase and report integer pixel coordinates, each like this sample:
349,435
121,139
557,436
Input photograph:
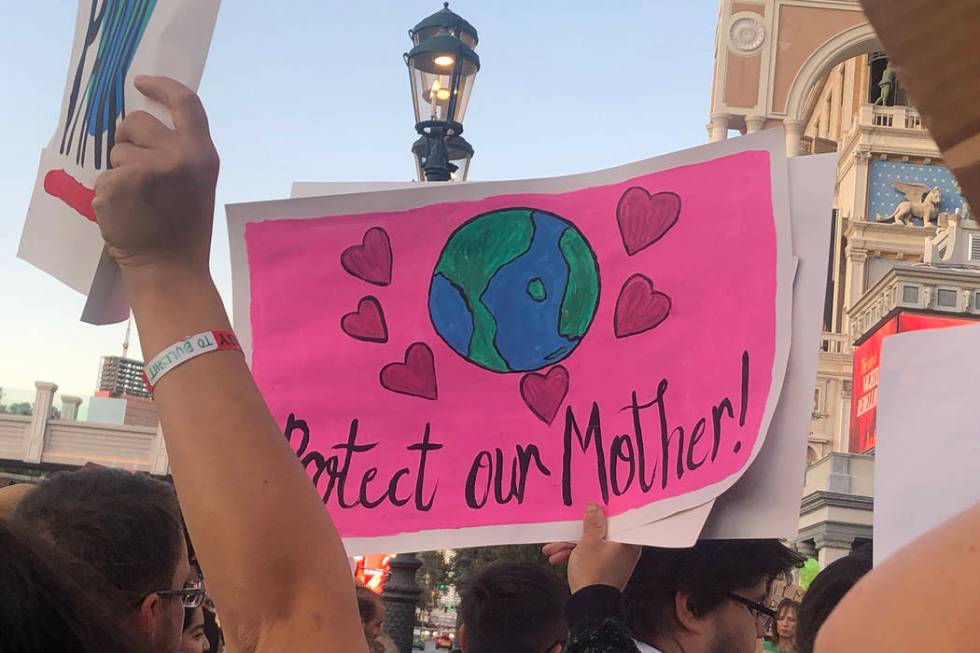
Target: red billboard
867,359
372,570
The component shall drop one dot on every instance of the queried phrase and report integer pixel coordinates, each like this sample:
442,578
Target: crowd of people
104,560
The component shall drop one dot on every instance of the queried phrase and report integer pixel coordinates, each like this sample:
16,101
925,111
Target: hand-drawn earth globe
514,290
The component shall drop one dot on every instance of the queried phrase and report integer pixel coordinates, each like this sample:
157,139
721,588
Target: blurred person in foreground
53,603
128,528
825,592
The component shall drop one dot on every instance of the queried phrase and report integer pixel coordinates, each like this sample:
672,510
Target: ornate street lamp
441,66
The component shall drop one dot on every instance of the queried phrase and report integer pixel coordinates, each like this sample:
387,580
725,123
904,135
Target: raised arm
922,598
598,570
274,562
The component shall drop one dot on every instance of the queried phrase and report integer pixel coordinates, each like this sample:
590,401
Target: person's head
515,607
128,527
193,639
54,603
11,495
706,598
787,614
372,611
825,592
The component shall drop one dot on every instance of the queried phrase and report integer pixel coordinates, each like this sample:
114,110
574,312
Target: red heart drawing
543,393
371,260
69,190
644,218
416,376
639,307
367,322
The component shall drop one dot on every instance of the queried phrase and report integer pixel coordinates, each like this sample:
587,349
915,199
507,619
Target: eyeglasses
191,596
764,617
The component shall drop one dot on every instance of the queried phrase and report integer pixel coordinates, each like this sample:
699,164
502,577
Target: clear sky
316,90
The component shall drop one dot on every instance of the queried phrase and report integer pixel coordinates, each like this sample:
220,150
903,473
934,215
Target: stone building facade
902,237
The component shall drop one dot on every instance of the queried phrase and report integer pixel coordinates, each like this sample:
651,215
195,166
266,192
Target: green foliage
432,577
484,556
20,408
23,408
808,572
440,569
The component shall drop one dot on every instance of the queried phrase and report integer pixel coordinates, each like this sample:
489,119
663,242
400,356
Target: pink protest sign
480,369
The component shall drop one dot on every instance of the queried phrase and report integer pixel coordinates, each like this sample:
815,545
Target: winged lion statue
920,202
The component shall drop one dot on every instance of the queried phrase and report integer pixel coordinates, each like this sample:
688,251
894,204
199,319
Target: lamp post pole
400,595
435,162
441,69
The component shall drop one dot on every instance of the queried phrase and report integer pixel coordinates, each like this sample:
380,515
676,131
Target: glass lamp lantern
442,65
441,69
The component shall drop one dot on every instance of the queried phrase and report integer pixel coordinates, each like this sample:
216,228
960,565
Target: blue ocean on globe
514,290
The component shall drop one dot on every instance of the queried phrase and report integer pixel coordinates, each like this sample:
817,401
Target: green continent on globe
481,247
514,290
536,290
582,291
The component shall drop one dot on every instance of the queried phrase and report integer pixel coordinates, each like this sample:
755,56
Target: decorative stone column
400,595
719,127
855,266
831,549
69,407
754,124
159,458
794,134
34,444
844,417
862,169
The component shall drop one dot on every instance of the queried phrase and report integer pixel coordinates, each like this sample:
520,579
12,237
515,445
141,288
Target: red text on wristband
186,349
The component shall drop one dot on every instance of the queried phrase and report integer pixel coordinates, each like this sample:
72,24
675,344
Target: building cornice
825,499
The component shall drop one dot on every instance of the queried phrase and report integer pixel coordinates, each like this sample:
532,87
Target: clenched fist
155,206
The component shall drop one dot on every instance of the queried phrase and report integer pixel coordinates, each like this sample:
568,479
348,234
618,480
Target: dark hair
784,605
212,631
708,571
127,526
825,592
189,617
513,606
367,603
54,603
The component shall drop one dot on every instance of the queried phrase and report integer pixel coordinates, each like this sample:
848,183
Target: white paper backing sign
927,458
295,211
114,41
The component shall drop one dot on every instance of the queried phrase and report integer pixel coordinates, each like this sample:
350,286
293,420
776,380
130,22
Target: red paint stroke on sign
69,190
